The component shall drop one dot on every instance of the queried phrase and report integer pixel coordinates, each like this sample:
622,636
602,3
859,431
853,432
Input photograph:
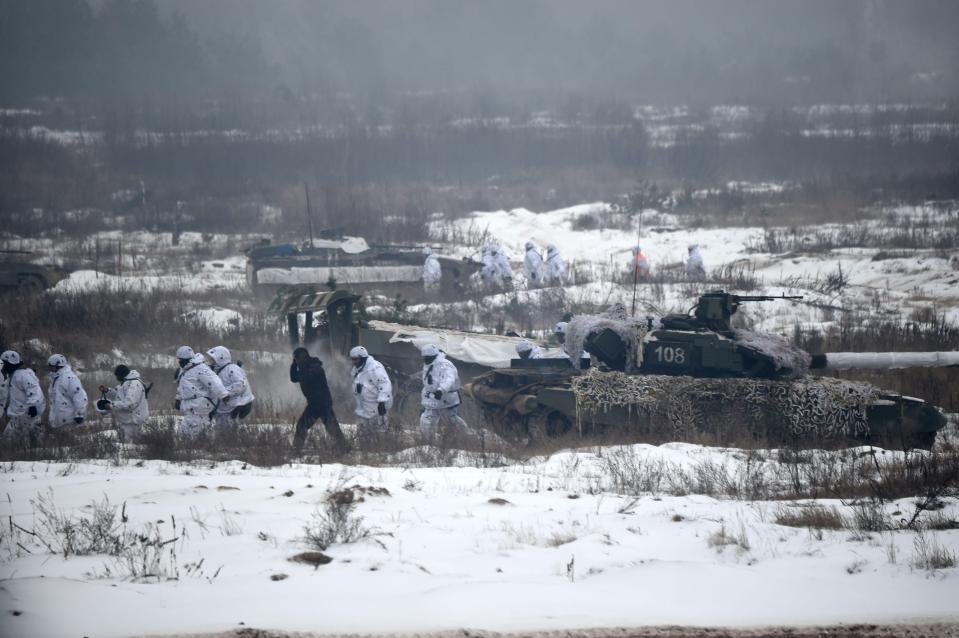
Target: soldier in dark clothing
308,372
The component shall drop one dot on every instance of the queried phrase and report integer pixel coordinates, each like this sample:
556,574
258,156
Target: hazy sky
663,50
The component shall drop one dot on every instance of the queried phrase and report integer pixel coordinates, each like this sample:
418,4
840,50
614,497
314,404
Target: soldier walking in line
309,373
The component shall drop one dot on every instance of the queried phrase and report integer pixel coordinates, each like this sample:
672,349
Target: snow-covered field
551,543
891,285
544,544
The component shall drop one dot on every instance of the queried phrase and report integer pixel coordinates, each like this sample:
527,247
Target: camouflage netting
684,407
787,356
630,329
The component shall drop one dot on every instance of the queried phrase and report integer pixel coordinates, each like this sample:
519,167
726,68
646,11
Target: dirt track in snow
932,630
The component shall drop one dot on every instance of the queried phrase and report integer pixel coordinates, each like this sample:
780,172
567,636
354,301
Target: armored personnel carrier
694,377
337,259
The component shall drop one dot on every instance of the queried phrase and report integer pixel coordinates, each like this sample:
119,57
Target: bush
335,522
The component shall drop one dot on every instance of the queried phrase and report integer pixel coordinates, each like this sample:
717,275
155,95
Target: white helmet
10,356
561,327
220,355
184,352
359,352
524,346
430,350
57,361
427,250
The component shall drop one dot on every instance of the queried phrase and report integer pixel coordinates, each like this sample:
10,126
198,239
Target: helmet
561,327
524,346
529,245
57,361
10,356
427,250
359,352
184,352
220,355
551,248
692,247
103,406
121,371
430,350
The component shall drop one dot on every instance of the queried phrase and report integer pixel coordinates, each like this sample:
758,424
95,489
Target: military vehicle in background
694,377
19,275
335,259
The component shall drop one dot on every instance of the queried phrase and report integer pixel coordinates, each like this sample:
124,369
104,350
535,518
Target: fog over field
433,317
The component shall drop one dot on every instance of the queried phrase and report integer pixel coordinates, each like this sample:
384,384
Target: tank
694,377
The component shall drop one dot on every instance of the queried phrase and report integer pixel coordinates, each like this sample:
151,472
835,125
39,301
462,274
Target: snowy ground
893,284
545,544
548,544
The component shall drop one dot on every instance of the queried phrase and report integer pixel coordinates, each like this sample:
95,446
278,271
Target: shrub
335,522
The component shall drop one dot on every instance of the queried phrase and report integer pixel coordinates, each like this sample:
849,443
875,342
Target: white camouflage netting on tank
630,329
685,406
492,351
786,355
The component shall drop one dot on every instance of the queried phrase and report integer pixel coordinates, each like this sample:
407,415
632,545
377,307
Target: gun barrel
741,298
884,360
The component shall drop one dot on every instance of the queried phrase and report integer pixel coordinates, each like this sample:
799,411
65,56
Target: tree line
122,49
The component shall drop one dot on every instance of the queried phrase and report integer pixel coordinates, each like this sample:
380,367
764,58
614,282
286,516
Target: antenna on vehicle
639,235
309,212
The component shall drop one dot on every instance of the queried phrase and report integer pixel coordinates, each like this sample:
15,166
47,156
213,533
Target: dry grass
929,555
723,538
813,516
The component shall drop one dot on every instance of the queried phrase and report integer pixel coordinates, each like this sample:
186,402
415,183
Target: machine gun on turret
714,309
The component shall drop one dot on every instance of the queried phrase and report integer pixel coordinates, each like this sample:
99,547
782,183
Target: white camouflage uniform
555,267
432,273
441,375
199,392
535,352
533,266
18,393
695,269
488,270
375,388
128,404
502,271
68,399
235,381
